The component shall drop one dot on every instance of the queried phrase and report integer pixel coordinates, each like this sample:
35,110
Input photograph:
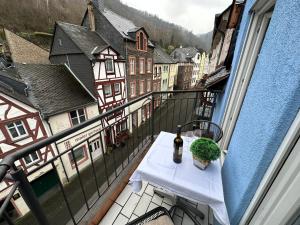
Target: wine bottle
178,145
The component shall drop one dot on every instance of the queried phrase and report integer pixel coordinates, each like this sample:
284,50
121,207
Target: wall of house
270,105
172,76
62,122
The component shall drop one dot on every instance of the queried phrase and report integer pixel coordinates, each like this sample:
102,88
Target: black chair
156,215
203,128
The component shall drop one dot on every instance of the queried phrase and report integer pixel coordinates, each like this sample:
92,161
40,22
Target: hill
30,16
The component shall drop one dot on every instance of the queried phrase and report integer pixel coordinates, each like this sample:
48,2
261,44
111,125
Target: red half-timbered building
109,75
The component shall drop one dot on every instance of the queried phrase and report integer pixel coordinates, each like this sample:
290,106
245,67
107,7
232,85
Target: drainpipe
65,172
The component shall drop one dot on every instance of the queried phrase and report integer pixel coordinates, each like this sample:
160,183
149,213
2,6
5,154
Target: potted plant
204,151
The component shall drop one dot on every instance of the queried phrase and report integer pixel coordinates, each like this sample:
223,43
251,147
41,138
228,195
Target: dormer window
109,65
141,40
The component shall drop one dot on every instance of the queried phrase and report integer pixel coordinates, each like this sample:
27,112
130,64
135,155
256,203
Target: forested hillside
31,16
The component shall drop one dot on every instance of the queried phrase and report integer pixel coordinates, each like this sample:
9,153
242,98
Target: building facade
133,43
259,114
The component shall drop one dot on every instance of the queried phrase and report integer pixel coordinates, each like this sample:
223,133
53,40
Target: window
149,65
166,68
31,158
131,65
142,65
141,41
117,88
142,86
107,90
155,71
109,65
77,116
148,85
132,89
159,70
16,129
79,154
122,126
95,145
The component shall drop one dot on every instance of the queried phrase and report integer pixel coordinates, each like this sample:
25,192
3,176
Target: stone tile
166,205
152,206
121,220
177,220
130,205
186,220
157,199
124,196
111,215
133,217
144,185
150,189
143,204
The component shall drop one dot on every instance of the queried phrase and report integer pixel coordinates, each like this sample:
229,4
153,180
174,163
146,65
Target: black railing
82,177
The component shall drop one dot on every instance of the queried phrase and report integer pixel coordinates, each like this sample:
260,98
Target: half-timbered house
99,67
133,43
21,125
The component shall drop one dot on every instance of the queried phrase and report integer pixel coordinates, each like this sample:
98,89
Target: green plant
205,149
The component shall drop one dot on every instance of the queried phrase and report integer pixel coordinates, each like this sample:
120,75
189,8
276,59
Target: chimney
91,15
99,4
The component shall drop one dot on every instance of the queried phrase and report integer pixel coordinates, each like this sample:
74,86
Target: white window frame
31,158
253,42
78,116
132,65
109,59
148,85
149,65
132,87
17,130
142,86
142,65
117,84
107,95
83,147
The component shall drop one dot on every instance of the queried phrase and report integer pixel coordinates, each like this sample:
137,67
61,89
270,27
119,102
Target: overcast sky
195,15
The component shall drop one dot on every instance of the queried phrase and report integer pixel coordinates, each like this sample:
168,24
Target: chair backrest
205,128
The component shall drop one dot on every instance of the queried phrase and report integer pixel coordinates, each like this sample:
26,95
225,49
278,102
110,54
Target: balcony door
261,16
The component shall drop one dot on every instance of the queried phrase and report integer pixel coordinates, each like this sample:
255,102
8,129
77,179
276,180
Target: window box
77,116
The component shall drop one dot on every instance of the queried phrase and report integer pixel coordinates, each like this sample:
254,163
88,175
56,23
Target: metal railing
83,181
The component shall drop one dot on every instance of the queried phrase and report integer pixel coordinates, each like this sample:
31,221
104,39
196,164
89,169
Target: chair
203,128
161,216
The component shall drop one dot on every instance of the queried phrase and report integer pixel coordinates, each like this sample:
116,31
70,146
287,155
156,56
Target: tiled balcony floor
130,205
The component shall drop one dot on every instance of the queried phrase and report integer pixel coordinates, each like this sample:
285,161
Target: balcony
93,189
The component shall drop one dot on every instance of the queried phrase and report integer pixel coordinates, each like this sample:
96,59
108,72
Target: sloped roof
217,76
23,51
184,54
85,39
53,89
12,86
121,24
161,57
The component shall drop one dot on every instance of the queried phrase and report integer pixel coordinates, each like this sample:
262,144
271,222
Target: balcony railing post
152,118
29,197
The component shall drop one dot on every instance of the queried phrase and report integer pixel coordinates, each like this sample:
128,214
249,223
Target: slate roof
217,76
85,39
161,57
53,89
12,86
121,24
184,54
23,51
